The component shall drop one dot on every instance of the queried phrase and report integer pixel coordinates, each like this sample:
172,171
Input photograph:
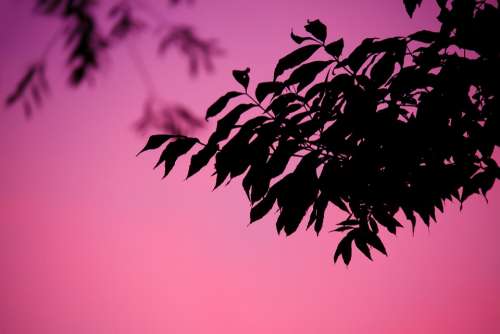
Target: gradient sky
93,241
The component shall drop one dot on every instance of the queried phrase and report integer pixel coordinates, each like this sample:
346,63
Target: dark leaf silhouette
383,69
344,248
200,159
265,88
242,77
220,104
390,132
317,29
424,36
155,141
173,151
335,48
411,5
295,58
299,39
306,73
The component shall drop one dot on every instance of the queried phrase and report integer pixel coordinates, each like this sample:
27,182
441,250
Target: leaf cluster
392,129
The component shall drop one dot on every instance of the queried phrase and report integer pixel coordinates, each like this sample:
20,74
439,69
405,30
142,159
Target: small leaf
156,141
344,248
362,246
299,39
424,36
373,240
265,88
242,77
295,58
262,208
335,48
411,5
173,151
305,74
201,158
220,104
317,29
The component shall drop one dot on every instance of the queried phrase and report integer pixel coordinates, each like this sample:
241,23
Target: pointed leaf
411,5
242,77
335,48
265,88
306,73
201,158
156,141
220,104
295,58
317,29
299,39
173,151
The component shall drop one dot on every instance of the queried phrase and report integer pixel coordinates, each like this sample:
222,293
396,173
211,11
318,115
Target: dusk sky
92,240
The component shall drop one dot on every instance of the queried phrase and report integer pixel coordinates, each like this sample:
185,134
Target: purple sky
93,241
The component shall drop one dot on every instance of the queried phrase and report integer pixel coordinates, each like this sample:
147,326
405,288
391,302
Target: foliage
91,28
393,129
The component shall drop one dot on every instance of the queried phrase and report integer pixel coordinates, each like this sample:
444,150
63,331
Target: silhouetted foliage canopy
392,129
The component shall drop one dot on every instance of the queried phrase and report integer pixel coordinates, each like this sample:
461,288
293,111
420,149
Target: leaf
173,151
335,48
299,39
320,207
344,248
295,58
259,210
156,141
281,102
242,77
220,104
317,29
201,158
343,228
424,36
359,55
383,69
227,123
373,240
318,88
362,245
306,73
411,5
21,86
265,88
349,222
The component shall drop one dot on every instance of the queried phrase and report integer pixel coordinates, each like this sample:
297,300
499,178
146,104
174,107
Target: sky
92,240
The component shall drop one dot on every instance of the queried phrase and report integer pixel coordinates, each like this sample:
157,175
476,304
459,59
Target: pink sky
93,241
